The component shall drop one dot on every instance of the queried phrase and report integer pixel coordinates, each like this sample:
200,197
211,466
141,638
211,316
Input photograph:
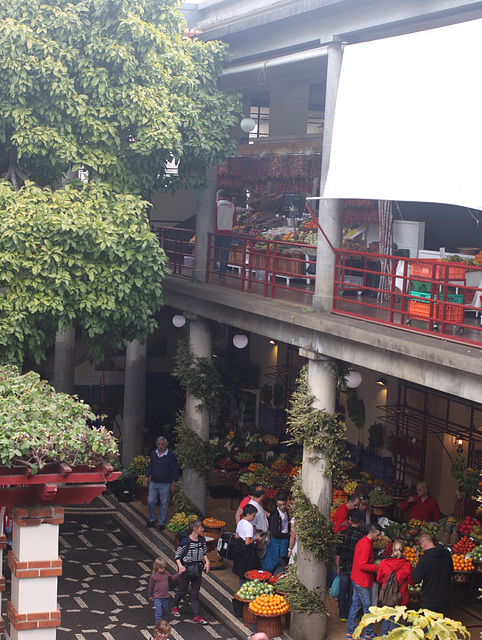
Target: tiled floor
465,609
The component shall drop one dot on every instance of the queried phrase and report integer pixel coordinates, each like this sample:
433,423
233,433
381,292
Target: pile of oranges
212,523
411,555
274,605
461,563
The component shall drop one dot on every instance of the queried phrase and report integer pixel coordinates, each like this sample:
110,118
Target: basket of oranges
463,567
269,605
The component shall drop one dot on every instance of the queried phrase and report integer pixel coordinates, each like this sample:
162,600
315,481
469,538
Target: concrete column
289,103
64,363
205,223
198,421
134,401
35,565
331,211
317,487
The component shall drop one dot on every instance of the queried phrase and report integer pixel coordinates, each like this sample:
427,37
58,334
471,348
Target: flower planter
54,484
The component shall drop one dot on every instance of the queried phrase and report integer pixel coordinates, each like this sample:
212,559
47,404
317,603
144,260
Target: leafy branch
299,597
314,531
318,430
199,377
192,451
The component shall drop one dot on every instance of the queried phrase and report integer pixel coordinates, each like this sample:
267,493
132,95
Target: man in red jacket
362,577
422,506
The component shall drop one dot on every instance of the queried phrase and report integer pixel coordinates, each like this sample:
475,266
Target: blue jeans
388,625
223,245
346,594
361,597
163,490
162,607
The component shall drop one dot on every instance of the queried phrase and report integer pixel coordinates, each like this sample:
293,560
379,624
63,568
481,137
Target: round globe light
247,125
353,379
240,340
178,321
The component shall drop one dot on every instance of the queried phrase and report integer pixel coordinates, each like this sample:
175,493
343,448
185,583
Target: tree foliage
81,255
112,85
38,425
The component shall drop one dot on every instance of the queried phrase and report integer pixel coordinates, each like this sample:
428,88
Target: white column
64,361
198,421
317,487
35,565
331,211
134,401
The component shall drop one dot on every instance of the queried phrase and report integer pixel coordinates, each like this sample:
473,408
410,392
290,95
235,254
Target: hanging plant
299,597
375,437
199,377
182,504
192,451
320,431
314,531
339,370
356,408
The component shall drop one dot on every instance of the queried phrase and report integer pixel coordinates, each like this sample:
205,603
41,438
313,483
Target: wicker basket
249,617
270,625
463,576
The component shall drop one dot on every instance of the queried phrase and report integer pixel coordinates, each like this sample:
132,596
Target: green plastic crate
422,287
451,297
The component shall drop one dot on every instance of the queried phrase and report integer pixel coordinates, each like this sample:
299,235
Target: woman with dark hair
280,529
190,557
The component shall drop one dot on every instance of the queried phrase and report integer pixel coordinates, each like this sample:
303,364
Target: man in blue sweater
162,470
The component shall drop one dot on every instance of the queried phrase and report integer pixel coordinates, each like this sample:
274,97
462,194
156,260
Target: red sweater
363,565
427,510
341,514
404,574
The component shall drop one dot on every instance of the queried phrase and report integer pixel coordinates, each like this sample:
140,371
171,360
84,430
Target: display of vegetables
477,553
380,499
253,589
257,574
180,521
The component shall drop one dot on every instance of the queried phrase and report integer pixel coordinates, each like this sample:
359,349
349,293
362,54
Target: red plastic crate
455,271
421,310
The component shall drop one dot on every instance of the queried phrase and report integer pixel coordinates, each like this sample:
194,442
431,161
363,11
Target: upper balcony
432,297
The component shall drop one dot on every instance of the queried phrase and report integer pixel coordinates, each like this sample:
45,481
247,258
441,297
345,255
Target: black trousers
181,592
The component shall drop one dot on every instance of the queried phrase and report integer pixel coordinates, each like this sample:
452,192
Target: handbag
193,569
335,587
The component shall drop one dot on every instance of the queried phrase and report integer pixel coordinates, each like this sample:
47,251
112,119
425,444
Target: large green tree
81,256
113,85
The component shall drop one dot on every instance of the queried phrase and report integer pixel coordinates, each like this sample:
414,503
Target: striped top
197,550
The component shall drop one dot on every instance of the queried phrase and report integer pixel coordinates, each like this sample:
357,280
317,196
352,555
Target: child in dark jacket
159,587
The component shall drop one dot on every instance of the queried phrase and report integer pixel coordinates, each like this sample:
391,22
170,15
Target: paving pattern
103,589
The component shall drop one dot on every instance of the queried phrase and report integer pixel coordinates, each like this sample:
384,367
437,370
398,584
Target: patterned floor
103,589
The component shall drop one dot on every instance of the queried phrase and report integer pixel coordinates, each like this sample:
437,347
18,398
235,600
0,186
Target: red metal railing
427,296
179,249
262,266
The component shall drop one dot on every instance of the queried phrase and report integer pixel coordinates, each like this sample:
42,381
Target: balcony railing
432,297
266,267
179,247
427,296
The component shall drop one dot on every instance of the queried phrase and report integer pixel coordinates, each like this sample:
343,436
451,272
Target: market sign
407,121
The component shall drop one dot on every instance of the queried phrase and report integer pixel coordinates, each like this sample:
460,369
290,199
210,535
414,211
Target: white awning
408,119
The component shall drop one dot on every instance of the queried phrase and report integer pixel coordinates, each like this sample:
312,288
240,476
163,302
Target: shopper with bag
394,574
190,557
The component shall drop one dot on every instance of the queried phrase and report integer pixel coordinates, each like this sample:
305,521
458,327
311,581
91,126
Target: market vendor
422,506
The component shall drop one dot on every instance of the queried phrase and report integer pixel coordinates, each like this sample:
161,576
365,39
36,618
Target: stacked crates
421,296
